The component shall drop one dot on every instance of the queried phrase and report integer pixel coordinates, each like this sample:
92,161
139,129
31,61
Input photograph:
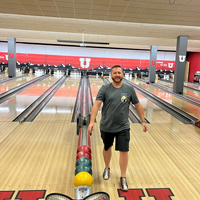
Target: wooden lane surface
157,169
182,146
160,158
3,76
14,106
60,108
185,91
154,113
179,103
14,83
6,129
95,84
195,85
41,156
63,102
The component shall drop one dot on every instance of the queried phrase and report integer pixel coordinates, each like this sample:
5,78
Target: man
116,98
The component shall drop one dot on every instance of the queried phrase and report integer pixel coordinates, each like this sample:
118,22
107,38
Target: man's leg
107,157
123,162
108,139
122,145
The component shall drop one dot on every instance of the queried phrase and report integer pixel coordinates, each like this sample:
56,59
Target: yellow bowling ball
83,179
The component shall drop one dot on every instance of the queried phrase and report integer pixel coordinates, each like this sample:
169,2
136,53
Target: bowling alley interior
55,56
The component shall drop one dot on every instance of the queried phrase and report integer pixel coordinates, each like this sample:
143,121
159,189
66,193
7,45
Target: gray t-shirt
116,106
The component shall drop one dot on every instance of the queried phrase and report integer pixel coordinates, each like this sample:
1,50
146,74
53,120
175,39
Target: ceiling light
80,42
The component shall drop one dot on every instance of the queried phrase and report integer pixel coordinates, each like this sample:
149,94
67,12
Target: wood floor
40,155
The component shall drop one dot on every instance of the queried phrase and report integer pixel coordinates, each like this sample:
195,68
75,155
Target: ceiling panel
134,10
124,24
184,13
46,3
173,7
191,8
156,6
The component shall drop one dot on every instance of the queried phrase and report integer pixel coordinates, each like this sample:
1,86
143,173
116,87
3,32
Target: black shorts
121,142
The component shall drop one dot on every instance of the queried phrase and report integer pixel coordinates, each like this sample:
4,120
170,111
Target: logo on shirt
124,97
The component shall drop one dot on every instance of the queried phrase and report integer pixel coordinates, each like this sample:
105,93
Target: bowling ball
84,148
83,168
83,154
147,82
83,179
84,161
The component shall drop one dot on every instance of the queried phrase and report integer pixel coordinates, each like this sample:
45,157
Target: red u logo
11,55
153,62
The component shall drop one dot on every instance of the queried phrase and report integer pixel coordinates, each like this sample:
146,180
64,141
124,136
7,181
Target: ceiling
135,24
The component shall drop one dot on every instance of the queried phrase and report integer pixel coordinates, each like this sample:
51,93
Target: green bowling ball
84,161
83,168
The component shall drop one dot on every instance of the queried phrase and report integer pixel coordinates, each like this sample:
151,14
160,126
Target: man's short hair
116,66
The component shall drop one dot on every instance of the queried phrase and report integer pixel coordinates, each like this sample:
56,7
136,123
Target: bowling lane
179,103
185,90
14,83
36,157
158,168
95,84
191,92
61,106
49,151
14,106
195,85
154,113
6,129
3,75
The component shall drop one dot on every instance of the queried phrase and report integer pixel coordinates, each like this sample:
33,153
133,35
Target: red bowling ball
81,154
84,148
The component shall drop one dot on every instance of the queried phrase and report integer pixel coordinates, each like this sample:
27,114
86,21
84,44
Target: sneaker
106,174
124,185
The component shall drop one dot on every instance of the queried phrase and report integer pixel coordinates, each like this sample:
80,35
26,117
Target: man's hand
93,115
144,125
91,127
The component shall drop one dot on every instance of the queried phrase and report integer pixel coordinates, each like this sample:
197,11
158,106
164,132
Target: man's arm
140,112
93,114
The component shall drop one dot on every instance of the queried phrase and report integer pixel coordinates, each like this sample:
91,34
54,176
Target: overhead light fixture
172,2
81,43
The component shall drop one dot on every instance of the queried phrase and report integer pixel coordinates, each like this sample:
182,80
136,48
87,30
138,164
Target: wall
80,57
194,59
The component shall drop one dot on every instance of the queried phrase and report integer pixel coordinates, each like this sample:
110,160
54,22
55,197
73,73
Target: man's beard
118,80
